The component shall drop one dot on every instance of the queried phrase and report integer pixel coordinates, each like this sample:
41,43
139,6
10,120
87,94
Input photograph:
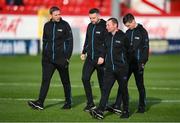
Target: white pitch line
38,84
53,99
26,99
164,101
81,86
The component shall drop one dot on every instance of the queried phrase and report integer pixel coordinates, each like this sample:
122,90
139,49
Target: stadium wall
21,34
14,28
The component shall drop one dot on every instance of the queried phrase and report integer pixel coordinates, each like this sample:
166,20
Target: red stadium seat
68,7
2,4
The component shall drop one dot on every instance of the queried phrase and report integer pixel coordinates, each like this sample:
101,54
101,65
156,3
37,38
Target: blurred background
21,25
21,22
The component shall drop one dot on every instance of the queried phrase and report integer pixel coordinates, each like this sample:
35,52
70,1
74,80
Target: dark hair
94,10
114,20
128,18
52,9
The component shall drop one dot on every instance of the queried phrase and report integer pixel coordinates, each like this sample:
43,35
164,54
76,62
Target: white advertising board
18,27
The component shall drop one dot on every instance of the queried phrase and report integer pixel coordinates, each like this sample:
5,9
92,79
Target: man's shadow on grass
80,99
76,100
133,105
150,101
49,105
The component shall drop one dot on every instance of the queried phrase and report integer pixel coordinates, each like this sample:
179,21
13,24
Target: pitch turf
20,79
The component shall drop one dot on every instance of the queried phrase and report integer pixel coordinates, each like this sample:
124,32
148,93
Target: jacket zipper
138,55
93,41
64,47
53,46
46,46
122,55
112,52
132,35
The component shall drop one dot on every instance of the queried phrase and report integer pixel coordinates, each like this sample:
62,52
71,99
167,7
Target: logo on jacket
98,32
118,41
136,37
59,30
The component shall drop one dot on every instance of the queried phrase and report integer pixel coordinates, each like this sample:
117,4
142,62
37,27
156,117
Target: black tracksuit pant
88,69
109,79
48,69
138,72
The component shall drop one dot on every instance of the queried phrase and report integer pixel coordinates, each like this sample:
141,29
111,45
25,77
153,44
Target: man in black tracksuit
57,50
116,68
139,50
94,48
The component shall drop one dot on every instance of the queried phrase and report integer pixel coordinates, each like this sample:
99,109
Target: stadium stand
69,7
150,7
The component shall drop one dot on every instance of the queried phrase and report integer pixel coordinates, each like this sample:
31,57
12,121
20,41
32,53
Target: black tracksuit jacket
94,42
117,47
139,44
57,42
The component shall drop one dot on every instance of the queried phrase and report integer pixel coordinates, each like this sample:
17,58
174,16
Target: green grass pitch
20,79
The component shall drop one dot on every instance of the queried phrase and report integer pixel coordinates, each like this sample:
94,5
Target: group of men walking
115,55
